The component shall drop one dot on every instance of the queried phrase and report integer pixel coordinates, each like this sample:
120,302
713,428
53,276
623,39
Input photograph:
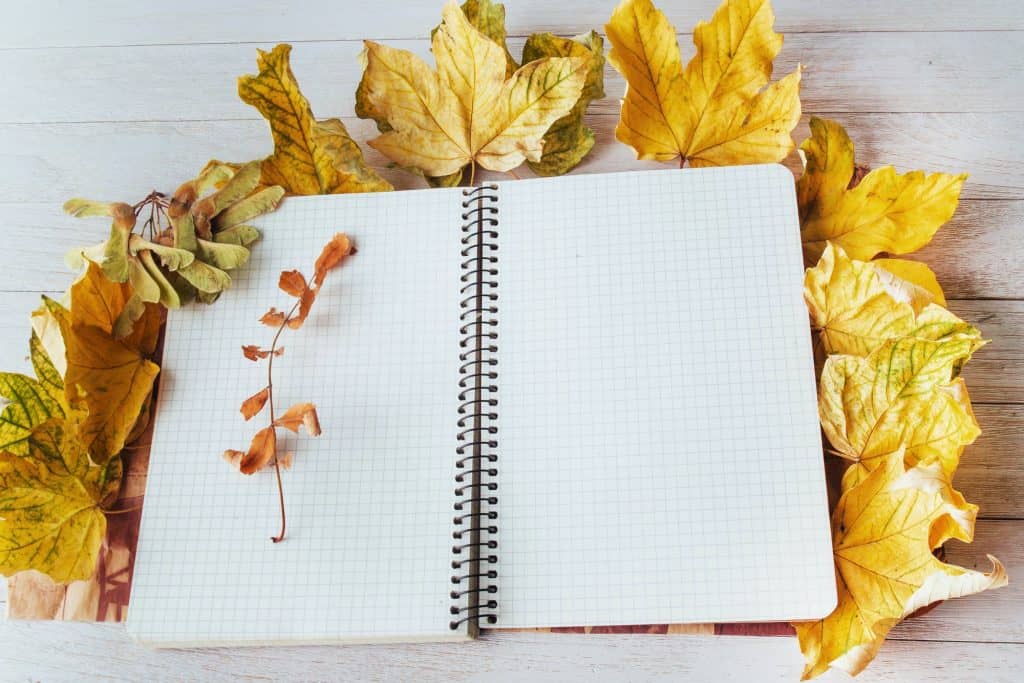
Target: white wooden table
110,102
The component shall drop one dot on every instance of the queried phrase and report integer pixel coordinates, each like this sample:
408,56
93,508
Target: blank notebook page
369,502
660,452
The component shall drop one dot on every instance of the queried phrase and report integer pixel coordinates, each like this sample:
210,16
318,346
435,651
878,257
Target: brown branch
270,400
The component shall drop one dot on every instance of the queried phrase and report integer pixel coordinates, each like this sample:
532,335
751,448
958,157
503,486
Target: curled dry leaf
292,282
334,252
254,404
273,318
884,530
300,415
261,451
721,109
885,212
440,121
254,353
305,305
234,458
856,306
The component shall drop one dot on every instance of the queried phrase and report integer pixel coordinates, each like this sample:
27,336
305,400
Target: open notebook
578,401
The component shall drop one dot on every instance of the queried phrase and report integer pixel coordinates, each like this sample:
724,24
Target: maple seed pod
124,216
182,200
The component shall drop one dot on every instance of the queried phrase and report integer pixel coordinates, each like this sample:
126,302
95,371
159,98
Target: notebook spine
474,552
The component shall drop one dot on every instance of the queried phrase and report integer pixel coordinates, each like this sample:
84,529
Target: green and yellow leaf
568,140
466,111
905,397
31,401
310,156
51,499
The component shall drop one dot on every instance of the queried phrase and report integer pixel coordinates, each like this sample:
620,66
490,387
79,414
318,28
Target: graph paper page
660,454
369,502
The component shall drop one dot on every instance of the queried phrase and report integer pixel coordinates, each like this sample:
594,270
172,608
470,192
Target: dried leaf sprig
263,448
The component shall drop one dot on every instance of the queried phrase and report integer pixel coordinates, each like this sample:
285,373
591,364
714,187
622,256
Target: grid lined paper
369,502
660,451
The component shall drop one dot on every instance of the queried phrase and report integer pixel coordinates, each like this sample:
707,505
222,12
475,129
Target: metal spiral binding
474,560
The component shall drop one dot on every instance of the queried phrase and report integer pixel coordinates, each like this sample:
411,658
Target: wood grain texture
845,72
968,255
110,100
54,23
64,652
45,162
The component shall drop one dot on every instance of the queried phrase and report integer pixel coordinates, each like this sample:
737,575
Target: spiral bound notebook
578,401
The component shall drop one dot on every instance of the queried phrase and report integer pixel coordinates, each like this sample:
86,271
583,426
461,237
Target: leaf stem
270,400
123,511
472,173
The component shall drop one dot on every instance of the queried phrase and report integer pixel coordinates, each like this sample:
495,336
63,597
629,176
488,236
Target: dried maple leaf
903,396
884,212
466,112
721,109
884,530
51,500
310,156
100,302
31,400
567,140
112,380
856,306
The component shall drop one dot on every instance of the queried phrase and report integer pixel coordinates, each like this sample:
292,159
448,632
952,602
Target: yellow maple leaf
856,306
904,396
50,504
310,156
116,381
466,112
99,302
721,109
884,212
883,532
